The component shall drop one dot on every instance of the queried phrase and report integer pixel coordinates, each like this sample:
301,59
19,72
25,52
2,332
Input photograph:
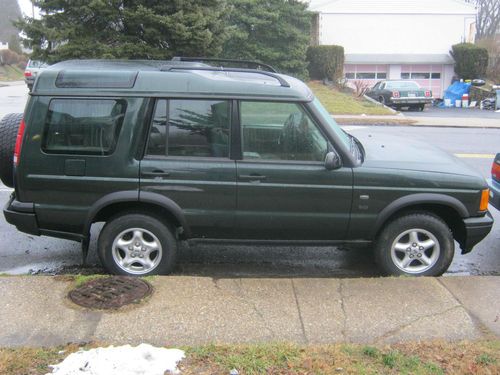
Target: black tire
30,88
421,107
381,99
120,227
430,229
8,134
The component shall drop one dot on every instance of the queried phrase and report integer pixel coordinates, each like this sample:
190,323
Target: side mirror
332,161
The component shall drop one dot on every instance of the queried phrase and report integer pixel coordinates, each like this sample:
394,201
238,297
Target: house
4,45
395,39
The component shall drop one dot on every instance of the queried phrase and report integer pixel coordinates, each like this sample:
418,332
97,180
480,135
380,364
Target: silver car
32,69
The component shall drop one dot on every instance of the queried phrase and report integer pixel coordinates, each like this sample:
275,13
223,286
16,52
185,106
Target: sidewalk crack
342,306
475,319
300,312
254,307
400,328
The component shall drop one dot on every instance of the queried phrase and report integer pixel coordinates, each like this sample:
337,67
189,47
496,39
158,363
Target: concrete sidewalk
186,310
409,120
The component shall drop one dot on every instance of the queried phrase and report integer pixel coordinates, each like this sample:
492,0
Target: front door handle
155,173
251,177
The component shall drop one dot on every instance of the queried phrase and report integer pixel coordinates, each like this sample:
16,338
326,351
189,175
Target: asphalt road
21,253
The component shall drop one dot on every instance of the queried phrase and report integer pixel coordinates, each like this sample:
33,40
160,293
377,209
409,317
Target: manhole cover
110,292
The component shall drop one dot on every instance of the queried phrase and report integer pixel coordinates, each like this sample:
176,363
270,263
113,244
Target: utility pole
32,9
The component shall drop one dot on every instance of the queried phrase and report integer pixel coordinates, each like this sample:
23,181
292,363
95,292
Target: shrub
361,87
8,57
325,62
471,61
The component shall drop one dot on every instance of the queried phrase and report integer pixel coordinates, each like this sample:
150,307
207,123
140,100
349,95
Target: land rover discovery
166,151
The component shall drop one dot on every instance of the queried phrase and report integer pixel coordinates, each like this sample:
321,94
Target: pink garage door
430,77
370,74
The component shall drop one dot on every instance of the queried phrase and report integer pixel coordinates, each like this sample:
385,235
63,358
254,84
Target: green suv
166,151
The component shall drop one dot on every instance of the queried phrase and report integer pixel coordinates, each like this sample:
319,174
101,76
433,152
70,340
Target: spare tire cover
8,134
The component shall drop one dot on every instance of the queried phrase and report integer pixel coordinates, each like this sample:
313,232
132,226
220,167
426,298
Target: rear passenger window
191,128
83,126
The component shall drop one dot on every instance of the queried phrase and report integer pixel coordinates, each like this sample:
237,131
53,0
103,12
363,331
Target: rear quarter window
83,126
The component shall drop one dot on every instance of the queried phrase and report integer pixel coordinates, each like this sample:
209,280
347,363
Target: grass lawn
11,73
338,103
437,357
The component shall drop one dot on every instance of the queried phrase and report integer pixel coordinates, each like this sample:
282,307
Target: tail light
27,73
495,169
19,142
395,94
428,94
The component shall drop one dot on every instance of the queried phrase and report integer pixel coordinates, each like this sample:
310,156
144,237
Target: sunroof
96,80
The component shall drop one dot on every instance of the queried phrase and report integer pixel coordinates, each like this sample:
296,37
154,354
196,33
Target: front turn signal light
485,195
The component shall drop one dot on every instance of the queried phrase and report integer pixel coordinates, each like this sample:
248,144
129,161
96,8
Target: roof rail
283,82
257,64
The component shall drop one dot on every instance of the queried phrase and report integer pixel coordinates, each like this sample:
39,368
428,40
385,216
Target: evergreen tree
276,32
148,29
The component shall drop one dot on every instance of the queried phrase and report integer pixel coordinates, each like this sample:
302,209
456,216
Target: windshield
402,85
343,136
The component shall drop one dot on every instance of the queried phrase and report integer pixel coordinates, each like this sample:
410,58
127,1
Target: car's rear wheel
136,244
381,99
9,126
415,245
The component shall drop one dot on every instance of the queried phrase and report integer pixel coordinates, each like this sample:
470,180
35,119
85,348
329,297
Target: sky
26,9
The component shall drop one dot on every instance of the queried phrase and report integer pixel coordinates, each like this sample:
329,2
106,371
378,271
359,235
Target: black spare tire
8,134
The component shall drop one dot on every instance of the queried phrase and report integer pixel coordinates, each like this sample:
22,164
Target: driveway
431,111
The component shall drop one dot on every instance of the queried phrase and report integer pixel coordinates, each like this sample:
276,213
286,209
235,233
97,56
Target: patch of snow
121,360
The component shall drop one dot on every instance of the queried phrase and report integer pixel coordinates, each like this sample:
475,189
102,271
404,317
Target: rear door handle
251,177
155,173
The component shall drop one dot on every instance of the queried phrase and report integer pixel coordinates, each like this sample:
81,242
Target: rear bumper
476,228
22,215
417,100
494,193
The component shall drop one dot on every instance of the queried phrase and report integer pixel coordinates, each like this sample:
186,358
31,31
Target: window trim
43,143
147,156
311,117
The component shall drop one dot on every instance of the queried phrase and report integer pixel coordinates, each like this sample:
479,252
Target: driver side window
280,131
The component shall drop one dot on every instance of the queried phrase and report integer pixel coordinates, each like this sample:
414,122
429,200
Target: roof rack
257,64
282,82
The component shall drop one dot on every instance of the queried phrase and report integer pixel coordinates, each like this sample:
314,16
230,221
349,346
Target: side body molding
416,199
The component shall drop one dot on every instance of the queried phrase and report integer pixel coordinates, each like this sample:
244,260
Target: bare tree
488,17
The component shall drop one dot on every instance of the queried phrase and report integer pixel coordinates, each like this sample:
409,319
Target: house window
420,75
350,75
381,75
365,75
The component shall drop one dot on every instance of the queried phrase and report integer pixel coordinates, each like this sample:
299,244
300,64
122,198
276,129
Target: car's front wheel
417,244
136,244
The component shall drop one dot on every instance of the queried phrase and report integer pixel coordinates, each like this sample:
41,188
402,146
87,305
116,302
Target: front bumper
476,228
494,193
416,100
22,215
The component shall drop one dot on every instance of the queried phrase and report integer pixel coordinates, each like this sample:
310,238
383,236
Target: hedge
471,61
325,62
